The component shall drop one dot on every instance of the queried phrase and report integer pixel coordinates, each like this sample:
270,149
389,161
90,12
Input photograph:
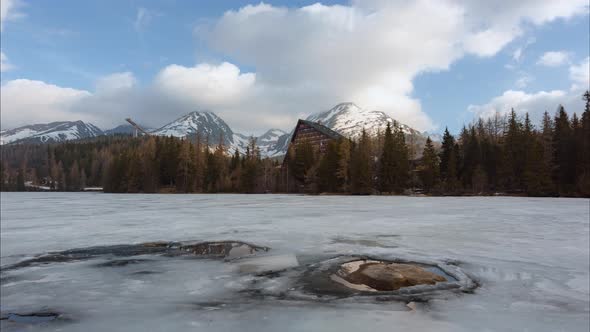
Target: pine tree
327,172
74,177
429,171
448,162
20,180
250,167
386,176
564,174
361,176
343,171
185,169
401,163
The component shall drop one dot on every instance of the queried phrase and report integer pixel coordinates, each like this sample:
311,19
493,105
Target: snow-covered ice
530,257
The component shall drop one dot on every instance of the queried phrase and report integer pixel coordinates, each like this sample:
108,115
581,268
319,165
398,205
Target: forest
500,155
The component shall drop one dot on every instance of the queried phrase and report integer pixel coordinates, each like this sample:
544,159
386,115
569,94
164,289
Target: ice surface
530,256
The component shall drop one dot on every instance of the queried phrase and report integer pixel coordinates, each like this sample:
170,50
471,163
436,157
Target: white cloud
117,82
523,80
205,84
4,64
310,58
25,101
553,58
522,102
9,11
537,103
580,75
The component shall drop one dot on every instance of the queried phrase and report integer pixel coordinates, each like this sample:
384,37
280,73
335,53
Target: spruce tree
343,171
386,176
401,163
429,170
564,174
361,171
327,172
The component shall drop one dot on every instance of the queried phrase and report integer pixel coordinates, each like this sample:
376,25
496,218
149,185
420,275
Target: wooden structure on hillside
313,133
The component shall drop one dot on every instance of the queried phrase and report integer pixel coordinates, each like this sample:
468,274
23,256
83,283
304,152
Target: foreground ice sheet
530,256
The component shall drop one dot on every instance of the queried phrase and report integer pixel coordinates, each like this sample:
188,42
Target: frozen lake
529,255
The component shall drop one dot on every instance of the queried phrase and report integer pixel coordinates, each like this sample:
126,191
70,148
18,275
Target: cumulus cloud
368,52
538,102
205,84
25,101
521,102
307,59
115,83
4,64
580,75
553,58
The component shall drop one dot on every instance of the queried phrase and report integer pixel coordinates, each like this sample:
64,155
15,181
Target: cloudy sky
428,63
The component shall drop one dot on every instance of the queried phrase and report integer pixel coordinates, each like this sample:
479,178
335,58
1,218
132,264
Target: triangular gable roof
321,128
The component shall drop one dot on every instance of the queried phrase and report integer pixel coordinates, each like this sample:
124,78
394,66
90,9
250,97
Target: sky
259,65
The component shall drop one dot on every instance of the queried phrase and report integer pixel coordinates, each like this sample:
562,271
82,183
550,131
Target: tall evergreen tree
386,176
361,176
328,169
429,170
564,174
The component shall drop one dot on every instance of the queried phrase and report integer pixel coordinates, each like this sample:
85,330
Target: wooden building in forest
313,133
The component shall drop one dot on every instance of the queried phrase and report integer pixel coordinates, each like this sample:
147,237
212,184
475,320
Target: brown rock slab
384,276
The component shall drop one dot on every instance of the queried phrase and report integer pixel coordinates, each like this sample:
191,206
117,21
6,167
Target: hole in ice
214,249
31,318
224,249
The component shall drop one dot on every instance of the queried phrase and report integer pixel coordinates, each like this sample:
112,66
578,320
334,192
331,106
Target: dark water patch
362,242
388,235
122,262
145,272
223,249
31,317
214,249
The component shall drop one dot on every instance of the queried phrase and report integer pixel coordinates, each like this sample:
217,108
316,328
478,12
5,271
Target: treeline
503,154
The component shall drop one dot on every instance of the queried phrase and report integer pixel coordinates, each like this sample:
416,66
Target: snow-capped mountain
53,132
346,118
273,143
211,128
349,120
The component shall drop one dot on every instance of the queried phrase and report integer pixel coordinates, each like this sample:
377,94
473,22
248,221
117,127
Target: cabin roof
321,128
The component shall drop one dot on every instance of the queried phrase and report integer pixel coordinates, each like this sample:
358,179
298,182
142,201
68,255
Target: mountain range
346,118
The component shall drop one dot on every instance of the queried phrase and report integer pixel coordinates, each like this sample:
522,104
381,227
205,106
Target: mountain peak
50,132
204,123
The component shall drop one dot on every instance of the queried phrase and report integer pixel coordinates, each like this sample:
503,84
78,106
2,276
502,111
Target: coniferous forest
500,155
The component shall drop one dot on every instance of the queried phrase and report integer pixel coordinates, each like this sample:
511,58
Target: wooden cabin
314,133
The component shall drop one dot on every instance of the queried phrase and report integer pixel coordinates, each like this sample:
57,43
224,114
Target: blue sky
264,65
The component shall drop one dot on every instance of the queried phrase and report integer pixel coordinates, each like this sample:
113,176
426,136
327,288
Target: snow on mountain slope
53,132
273,143
349,120
206,124
211,127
